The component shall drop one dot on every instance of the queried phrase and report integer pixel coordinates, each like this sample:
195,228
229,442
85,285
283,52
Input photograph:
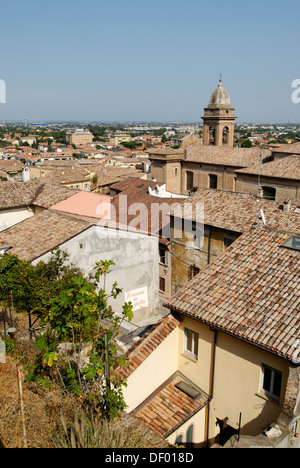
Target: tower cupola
218,119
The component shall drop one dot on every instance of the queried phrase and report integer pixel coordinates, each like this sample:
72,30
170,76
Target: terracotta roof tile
11,165
261,312
285,168
136,192
225,156
293,148
68,175
169,407
41,233
237,211
37,193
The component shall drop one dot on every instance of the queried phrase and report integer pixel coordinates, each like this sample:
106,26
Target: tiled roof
68,175
155,335
225,156
251,291
237,211
285,168
41,233
149,217
169,407
85,204
293,148
115,172
165,150
131,184
11,165
38,193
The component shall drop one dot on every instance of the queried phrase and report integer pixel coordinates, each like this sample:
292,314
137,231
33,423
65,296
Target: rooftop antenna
259,191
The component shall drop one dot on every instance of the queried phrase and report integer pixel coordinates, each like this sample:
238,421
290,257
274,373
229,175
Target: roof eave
216,327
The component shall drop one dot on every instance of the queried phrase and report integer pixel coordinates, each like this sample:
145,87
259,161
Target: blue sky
148,60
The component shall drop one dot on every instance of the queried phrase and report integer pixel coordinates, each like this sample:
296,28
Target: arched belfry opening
219,116
212,135
225,135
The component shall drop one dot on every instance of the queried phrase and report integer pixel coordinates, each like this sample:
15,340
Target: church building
210,162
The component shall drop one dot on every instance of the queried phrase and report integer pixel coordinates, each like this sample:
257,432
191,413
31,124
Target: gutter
294,359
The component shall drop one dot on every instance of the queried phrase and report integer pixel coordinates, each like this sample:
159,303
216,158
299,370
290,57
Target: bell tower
218,119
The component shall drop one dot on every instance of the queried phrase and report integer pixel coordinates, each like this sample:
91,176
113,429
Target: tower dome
219,97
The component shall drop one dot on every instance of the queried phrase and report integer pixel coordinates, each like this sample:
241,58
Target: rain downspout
211,384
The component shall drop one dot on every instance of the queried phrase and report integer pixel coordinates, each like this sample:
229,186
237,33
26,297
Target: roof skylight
292,243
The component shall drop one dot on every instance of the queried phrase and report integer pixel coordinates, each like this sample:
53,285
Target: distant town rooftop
79,131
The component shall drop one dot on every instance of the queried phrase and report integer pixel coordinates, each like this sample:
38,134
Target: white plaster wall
135,256
9,218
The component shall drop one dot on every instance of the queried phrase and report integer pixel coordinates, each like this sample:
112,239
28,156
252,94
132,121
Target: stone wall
284,188
187,254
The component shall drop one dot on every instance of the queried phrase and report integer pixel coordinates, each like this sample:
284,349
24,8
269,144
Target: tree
30,287
75,312
94,179
246,143
79,314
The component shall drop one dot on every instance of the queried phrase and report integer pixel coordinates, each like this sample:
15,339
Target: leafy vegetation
75,314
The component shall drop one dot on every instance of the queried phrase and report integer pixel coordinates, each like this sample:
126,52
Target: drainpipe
208,247
211,384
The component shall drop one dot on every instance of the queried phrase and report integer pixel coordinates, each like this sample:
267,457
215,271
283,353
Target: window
271,382
213,181
269,193
189,180
190,343
163,256
193,271
162,284
189,437
227,241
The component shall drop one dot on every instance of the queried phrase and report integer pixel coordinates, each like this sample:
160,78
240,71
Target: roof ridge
142,349
144,339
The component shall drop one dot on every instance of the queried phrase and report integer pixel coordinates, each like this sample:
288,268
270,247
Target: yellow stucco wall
234,389
236,384
197,422
154,371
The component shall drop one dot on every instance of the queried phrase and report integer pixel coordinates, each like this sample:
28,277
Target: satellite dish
263,216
